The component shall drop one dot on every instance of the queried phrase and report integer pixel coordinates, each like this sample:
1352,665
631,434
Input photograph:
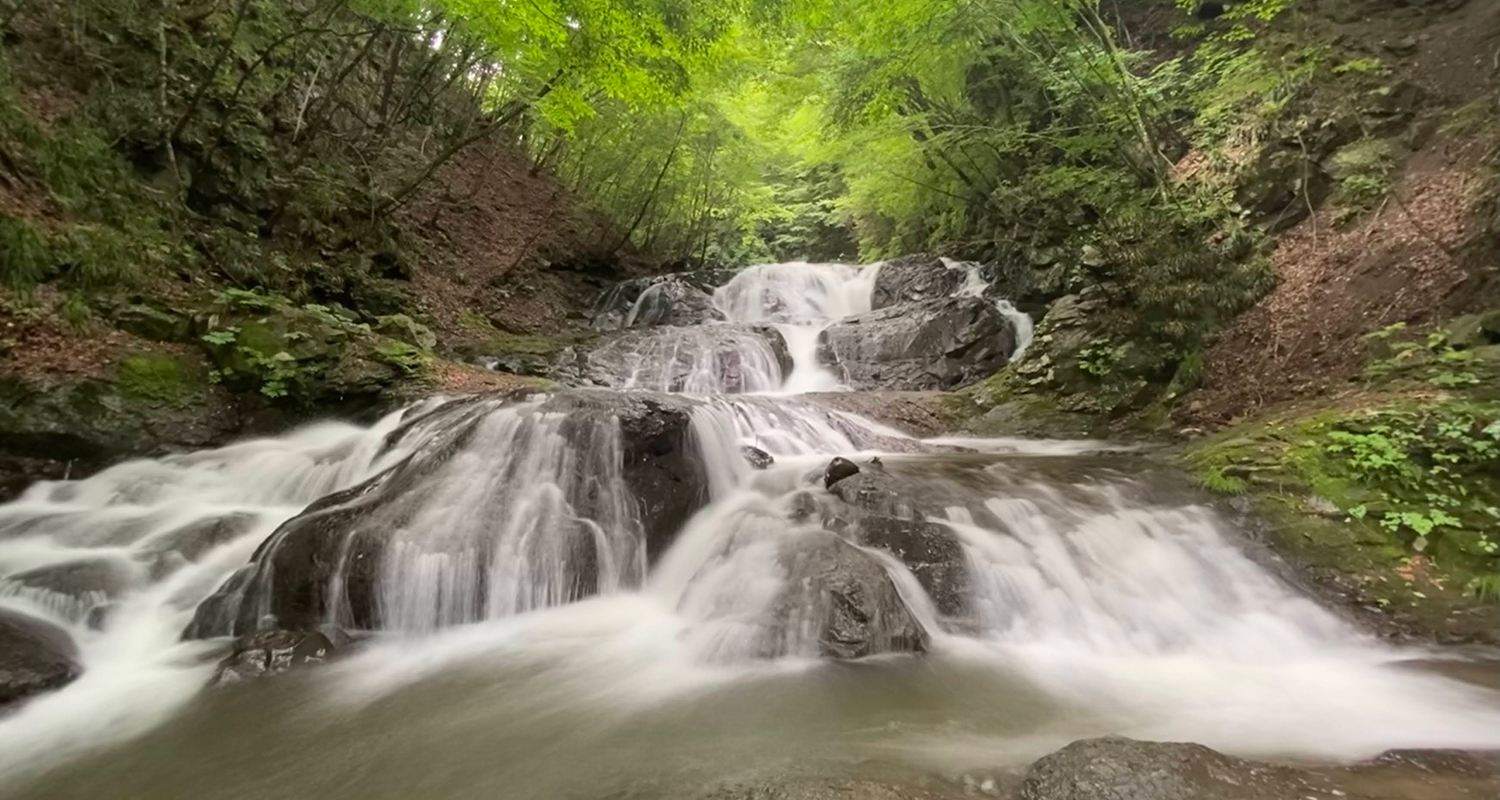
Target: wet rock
169,551
108,577
1116,768
266,653
932,344
837,470
70,589
842,598
758,458
98,617
879,508
678,298
35,656
910,278
326,563
707,359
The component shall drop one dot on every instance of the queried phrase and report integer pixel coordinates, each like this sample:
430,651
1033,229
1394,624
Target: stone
844,599
837,470
291,577
676,298
758,458
1116,768
35,656
719,358
266,653
943,343
406,329
153,323
911,278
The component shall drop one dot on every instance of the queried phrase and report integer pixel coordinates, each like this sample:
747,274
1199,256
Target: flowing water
527,643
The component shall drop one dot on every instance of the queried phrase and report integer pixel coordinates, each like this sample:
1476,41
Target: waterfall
541,573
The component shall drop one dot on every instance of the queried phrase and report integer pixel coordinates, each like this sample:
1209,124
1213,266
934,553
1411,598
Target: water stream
532,636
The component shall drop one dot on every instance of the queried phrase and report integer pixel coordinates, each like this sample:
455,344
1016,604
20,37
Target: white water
1096,607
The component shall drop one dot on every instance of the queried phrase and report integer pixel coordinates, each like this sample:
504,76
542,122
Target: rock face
876,507
943,343
843,598
891,512
35,656
912,278
266,653
1116,768
325,565
678,298
719,359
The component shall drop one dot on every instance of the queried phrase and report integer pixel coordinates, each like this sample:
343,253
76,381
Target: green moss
158,377
1398,493
474,321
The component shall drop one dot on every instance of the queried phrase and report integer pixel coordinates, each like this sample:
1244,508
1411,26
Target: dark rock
678,298
910,278
932,344
1281,188
153,323
273,652
35,656
845,598
893,512
1116,768
1404,46
325,563
673,359
76,429
758,458
837,470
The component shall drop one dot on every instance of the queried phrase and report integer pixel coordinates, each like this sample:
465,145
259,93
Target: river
535,624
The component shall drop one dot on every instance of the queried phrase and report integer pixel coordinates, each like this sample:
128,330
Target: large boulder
942,343
578,467
912,278
678,298
719,358
895,512
1116,768
838,602
35,656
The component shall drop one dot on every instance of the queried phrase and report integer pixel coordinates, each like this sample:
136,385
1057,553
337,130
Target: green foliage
1432,358
24,257
1214,480
1364,171
1419,465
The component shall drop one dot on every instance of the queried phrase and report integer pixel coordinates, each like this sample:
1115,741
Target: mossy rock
161,378
406,329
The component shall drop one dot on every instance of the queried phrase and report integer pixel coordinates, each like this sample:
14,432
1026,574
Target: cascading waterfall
582,581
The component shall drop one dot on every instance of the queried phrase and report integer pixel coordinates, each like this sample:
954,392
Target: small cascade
707,359
975,285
